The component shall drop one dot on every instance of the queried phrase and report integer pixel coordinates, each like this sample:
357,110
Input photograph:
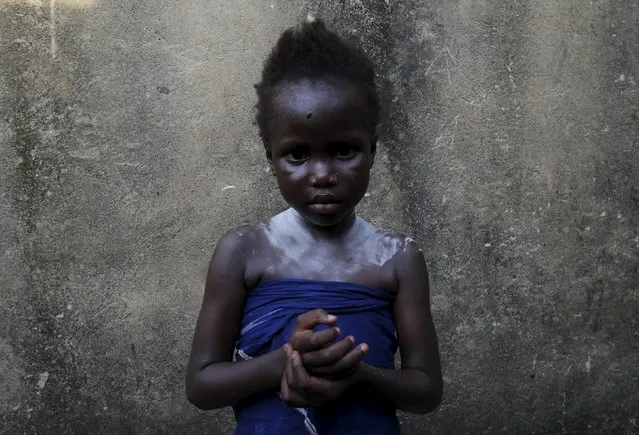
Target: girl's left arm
417,387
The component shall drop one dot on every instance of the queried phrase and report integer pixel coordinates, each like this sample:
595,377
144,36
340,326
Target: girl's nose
322,174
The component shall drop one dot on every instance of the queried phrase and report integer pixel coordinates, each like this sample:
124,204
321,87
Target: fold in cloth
269,317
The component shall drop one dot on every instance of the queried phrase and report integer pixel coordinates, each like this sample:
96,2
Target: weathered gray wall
509,150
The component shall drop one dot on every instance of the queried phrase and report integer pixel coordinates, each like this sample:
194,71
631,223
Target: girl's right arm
213,379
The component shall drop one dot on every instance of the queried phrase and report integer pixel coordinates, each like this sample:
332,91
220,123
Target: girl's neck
338,230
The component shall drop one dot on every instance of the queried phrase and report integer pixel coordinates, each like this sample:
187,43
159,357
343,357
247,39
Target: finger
294,386
329,390
320,338
346,364
297,400
290,397
299,375
296,374
288,373
311,341
312,318
287,349
329,355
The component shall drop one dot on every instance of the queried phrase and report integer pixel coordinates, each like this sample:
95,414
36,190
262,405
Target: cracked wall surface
509,150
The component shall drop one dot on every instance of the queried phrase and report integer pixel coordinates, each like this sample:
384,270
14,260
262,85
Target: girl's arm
417,387
213,380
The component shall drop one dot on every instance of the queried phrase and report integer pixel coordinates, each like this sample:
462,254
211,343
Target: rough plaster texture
509,150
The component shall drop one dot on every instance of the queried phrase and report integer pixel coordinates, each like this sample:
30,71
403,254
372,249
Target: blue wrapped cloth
268,320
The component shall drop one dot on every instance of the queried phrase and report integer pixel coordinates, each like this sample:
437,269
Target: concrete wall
509,150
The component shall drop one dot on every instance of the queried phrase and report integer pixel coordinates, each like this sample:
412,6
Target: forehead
308,93
321,99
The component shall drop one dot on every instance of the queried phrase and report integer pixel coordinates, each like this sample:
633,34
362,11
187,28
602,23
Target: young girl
316,300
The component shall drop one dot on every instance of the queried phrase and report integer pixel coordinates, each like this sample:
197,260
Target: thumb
287,349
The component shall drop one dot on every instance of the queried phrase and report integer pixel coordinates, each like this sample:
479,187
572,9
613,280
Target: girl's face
321,148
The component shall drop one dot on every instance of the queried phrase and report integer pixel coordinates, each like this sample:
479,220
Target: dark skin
321,150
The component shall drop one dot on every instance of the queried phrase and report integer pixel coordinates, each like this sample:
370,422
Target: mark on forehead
310,114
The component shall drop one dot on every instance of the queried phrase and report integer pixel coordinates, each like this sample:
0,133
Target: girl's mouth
324,203
326,208
325,198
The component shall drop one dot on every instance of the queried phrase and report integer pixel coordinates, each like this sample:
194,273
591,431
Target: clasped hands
316,369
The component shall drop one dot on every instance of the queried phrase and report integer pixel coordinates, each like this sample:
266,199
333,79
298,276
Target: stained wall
508,150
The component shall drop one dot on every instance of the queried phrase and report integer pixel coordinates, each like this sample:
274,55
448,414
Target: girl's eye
344,151
297,155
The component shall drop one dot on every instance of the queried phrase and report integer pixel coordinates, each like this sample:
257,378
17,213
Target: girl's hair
311,51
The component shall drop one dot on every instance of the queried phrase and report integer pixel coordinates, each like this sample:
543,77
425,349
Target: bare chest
367,261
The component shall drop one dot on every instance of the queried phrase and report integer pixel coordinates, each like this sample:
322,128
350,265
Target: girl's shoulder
240,239
390,241
251,238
